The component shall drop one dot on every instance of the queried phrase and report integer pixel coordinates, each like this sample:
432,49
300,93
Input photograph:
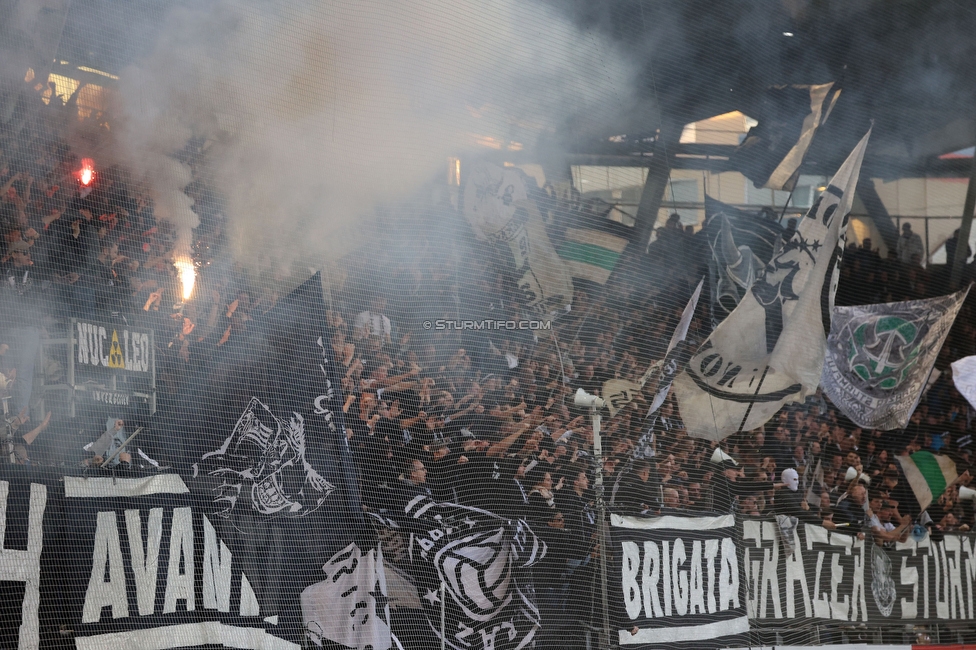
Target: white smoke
319,112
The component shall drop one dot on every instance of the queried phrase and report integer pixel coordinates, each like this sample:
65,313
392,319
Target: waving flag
964,377
670,366
268,464
770,350
742,243
620,392
473,568
498,207
928,475
879,357
773,150
591,254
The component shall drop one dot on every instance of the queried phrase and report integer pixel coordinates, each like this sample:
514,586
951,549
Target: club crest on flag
884,349
879,357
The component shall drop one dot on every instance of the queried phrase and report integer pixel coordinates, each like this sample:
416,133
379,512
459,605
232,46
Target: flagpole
595,404
601,505
443,615
749,408
121,447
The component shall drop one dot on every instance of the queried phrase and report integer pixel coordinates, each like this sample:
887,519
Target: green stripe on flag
931,471
589,254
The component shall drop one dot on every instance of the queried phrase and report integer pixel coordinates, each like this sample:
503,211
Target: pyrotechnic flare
87,172
188,275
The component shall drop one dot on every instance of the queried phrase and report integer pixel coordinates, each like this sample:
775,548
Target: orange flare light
188,275
87,172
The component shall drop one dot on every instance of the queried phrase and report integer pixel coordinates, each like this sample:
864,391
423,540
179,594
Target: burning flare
87,172
188,275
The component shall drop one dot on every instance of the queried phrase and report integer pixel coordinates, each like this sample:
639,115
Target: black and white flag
268,463
770,350
771,154
499,209
618,393
482,560
879,357
672,358
741,243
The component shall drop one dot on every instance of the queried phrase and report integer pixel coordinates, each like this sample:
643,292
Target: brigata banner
680,582
690,580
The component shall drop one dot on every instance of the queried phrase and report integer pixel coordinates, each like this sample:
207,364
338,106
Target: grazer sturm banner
835,576
679,581
879,357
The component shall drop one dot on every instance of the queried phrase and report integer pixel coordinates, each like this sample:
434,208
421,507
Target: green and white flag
879,357
591,254
928,475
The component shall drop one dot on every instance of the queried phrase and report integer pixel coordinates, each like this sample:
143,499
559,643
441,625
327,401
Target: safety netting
426,325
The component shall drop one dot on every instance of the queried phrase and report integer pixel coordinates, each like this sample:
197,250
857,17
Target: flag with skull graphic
879,357
263,432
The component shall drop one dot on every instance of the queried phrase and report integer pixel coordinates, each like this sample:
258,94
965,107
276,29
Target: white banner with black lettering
679,582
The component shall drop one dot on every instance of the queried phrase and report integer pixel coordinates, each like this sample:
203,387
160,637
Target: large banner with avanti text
106,563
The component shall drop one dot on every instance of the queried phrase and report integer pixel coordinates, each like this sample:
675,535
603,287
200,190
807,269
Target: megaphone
719,457
966,494
582,398
852,474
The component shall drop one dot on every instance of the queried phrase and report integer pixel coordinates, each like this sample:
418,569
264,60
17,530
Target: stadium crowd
484,419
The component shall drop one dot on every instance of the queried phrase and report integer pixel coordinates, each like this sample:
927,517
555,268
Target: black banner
836,576
674,577
679,581
120,562
108,562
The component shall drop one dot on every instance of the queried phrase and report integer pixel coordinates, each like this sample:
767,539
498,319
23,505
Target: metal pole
121,447
962,241
658,175
443,616
601,505
928,251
